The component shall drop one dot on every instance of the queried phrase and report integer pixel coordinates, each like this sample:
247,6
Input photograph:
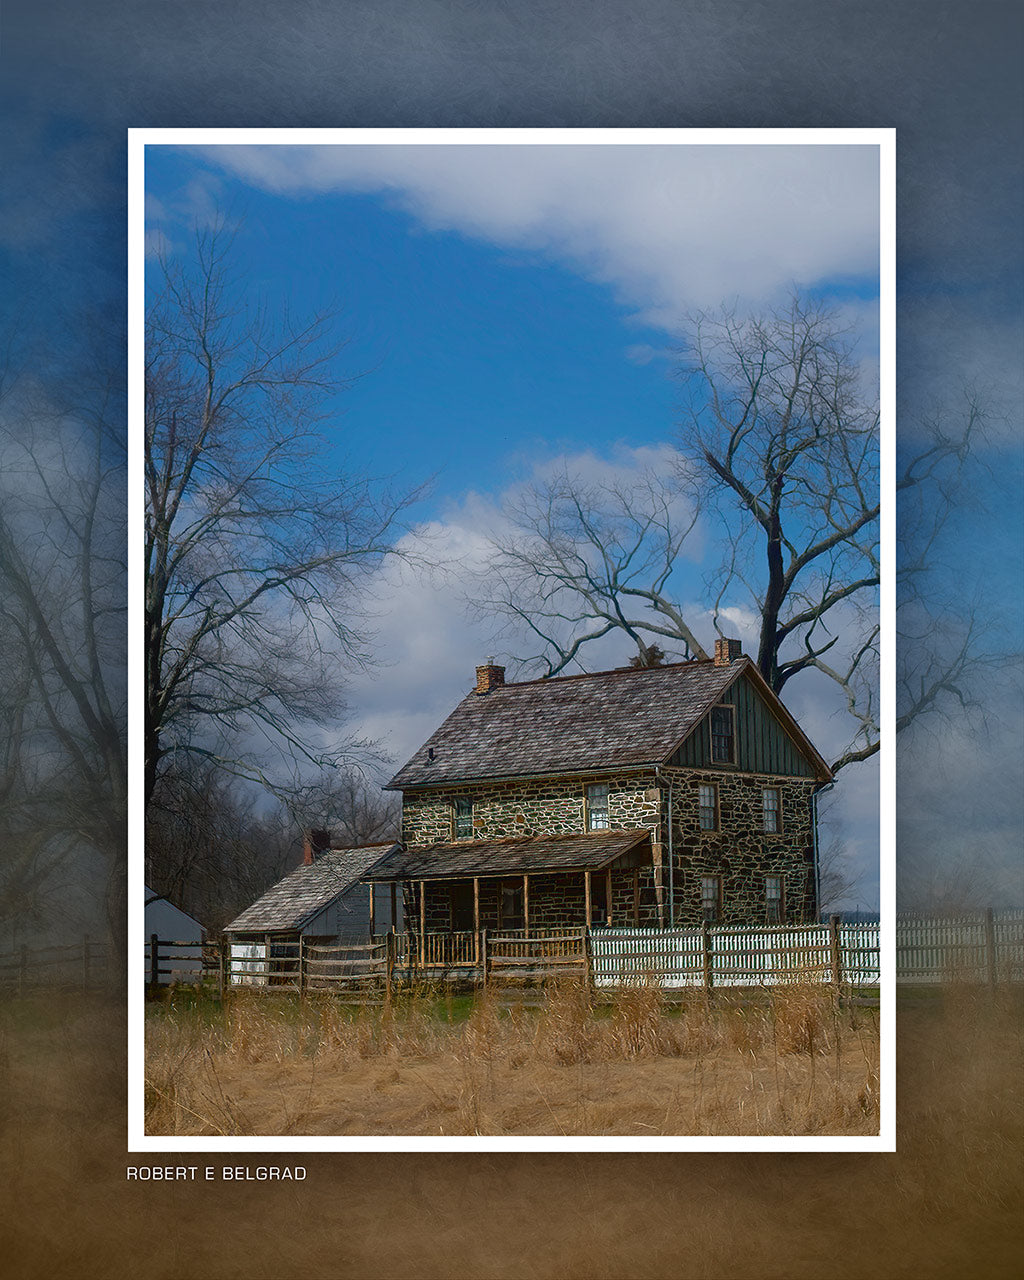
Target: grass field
790,1062
946,1205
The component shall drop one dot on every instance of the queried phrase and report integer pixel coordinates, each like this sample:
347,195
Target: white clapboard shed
172,925
325,901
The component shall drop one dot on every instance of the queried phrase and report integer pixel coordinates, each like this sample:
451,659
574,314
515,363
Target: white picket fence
735,957
981,948
976,948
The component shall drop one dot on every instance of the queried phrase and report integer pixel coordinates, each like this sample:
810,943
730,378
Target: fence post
588,958
222,964
990,946
835,952
708,958
389,960
483,954
154,960
85,963
302,965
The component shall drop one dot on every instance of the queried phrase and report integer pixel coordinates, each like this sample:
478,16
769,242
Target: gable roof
513,855
575,724
305,892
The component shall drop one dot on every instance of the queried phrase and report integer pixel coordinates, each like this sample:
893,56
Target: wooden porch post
636,896
608,895
526,905
394,906
586,896
476,919
373,917
423,912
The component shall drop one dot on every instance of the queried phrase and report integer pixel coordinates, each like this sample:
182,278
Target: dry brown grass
945,1207
791,1062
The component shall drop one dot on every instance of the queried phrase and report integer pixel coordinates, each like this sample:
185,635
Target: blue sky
489,342
512,309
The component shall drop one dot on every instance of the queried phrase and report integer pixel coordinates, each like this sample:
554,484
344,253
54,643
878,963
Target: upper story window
773,899
707,808
463,819
723,738
770,810
597,807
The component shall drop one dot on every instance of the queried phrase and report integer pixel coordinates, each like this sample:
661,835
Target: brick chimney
314,842
727,651
489,677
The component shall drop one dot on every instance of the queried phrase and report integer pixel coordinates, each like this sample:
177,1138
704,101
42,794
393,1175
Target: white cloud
668,228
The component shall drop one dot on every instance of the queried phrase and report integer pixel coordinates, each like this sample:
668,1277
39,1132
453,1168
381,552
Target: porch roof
518,855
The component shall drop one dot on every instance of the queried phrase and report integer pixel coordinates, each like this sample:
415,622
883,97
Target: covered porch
528,887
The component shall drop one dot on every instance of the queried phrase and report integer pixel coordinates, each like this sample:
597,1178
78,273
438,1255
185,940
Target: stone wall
739,850
552,806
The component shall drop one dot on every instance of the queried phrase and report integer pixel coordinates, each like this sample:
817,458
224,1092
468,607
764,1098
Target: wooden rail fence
83,964
983,948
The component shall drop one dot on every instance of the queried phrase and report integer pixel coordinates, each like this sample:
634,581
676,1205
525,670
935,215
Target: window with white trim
597,807
711,898
463,819
707,807
774,900
771,810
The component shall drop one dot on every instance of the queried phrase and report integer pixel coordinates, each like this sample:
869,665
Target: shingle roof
513,856
570,724
307,890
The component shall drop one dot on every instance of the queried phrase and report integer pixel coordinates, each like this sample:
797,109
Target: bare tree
781,435
349,805
257,539
836,881
581,560
213,844
209,849
62,609
779,461
946,645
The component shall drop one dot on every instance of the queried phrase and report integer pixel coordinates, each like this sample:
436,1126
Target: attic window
597,807
722,735
463,819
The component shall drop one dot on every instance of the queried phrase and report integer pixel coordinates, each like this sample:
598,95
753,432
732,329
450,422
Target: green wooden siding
761,743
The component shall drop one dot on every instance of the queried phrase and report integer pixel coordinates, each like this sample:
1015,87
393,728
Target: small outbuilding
182,962
325,901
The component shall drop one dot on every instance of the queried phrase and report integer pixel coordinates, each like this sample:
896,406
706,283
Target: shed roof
517,855
305,892
627,717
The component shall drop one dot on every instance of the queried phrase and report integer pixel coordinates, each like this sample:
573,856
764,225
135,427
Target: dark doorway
461,906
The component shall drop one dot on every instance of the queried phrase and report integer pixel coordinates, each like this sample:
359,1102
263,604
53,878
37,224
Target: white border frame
885,140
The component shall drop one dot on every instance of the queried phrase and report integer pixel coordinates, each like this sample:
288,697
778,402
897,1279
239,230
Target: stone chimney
726,651
314,842
489,677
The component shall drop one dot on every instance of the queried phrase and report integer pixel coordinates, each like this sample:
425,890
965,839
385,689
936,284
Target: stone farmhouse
641,796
